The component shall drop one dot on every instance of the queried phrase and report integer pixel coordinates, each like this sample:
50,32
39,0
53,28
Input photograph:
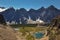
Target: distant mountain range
45,14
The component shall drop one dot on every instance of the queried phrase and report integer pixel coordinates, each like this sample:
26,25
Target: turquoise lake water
38,35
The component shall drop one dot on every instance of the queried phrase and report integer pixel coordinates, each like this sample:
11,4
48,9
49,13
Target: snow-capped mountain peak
1,10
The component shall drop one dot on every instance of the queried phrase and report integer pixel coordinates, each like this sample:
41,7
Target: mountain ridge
45,14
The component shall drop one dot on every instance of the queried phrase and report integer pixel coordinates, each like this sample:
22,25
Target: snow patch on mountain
1,10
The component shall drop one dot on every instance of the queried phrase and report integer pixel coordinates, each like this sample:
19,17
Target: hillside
54,29
7,33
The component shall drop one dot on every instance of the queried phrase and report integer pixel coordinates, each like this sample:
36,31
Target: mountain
33,14
51,12
20,14
17,15
8,14
2,9
2,20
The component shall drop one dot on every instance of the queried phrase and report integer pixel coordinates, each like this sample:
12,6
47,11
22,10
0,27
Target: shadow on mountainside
2,20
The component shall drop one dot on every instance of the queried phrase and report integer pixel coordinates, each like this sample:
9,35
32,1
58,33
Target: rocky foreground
7,33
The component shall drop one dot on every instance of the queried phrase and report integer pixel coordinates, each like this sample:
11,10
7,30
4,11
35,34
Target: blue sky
27,4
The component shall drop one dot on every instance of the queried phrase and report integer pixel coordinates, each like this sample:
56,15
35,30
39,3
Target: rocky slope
54,29
7,33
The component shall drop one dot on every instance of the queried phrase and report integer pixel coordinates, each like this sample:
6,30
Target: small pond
38,35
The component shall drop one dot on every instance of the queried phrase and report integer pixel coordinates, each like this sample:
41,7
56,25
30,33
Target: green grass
23,25
33,28
26,30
